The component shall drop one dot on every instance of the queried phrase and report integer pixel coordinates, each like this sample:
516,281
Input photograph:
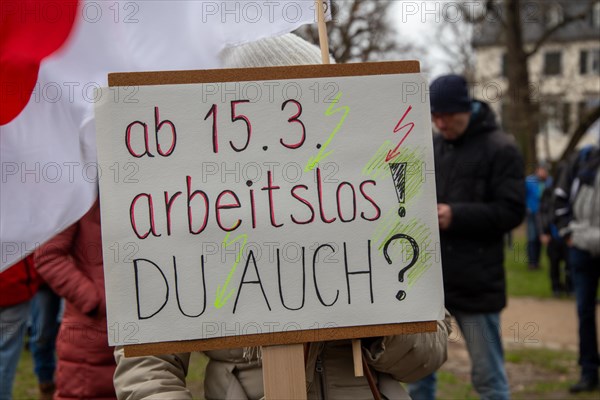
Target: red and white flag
54,58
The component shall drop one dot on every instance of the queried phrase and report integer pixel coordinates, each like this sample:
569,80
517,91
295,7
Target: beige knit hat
288,49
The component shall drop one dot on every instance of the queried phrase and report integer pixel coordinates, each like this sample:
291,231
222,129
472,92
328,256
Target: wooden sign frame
266,74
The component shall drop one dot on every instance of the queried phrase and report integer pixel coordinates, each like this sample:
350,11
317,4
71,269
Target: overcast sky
417,22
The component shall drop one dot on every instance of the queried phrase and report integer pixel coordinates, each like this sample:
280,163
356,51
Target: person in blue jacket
534,186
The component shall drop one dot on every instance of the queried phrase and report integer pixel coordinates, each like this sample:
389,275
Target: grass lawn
25,386
520,281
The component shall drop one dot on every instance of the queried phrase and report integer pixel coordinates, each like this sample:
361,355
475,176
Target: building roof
537,17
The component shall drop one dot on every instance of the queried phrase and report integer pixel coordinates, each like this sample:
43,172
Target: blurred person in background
71,263
481,196
560,274
535,185
18,284
577,205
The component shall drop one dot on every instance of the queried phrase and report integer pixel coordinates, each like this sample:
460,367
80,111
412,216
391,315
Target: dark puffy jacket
481,176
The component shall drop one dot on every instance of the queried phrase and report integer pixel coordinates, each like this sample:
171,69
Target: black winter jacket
481,176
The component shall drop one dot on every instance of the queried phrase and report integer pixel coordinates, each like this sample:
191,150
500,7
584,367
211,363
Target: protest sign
270,205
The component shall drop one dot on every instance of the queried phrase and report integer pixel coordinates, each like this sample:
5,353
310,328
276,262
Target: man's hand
444,216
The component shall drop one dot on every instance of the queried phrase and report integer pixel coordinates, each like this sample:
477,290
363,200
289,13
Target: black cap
449,94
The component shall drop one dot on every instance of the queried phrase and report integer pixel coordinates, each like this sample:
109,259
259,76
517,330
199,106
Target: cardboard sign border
128,79
278,338
262,74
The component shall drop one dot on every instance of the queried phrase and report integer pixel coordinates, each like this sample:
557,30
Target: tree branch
361,32
549,32
588,120
490,8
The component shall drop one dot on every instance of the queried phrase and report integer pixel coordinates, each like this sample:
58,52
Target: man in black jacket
481,196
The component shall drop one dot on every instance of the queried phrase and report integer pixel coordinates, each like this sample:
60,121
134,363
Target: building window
586,106
553,63
505,117
555,117
504,65
582,110
566,118
589,62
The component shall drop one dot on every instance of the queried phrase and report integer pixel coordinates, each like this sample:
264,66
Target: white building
564,72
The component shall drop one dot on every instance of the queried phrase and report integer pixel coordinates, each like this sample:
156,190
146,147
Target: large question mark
401,295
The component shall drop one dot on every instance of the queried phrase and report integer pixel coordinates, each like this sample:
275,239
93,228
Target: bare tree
511,15
361,31
454,44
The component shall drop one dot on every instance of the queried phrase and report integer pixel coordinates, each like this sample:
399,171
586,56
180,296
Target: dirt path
542,323
546,323
528,323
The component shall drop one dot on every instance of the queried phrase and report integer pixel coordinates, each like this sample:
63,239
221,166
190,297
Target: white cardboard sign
258,207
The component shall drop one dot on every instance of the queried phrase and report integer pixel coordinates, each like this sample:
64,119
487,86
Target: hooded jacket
481,176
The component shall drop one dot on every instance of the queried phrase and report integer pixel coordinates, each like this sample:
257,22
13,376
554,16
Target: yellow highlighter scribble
322,154
221,298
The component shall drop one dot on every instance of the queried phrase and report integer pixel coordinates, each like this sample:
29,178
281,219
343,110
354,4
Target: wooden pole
284,374
323,41
324,44
358,359
288,360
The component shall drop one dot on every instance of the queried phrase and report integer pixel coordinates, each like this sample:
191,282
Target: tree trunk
522,113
